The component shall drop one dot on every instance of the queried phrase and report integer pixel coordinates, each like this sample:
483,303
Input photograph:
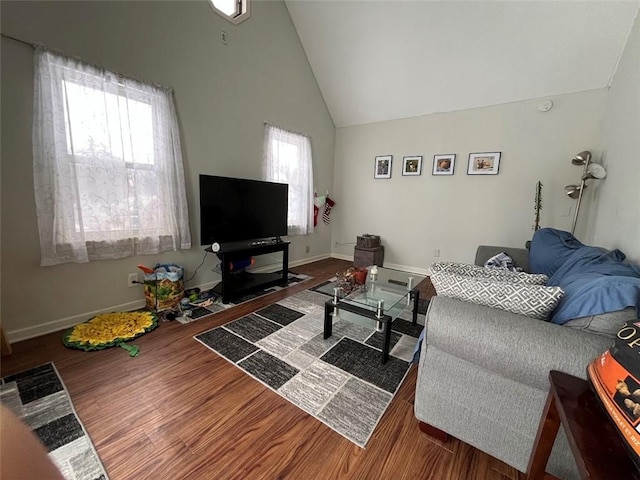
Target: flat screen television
236,209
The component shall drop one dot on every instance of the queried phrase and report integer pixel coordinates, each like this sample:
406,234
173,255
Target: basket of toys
163,287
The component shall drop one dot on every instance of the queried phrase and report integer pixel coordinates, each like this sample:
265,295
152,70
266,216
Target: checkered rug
39,398
339,381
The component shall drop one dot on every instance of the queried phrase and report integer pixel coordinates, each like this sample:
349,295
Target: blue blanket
594,280
549,249
418,347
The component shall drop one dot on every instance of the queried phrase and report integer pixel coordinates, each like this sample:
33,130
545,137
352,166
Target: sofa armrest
514,346
520,256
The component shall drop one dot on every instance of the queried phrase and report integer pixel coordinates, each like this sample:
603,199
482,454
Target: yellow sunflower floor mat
110,330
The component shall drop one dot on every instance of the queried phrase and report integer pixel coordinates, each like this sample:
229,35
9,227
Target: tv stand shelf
237,284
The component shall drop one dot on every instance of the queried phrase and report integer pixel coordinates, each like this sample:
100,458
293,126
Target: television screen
235,209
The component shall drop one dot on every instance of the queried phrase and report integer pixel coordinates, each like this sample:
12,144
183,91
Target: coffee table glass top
390,286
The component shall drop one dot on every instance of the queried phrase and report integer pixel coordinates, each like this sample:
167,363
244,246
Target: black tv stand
237,284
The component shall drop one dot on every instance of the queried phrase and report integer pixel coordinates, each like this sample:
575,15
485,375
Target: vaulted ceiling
383,60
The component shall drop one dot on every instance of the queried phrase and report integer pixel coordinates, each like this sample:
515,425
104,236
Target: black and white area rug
200,312
340,381
39,398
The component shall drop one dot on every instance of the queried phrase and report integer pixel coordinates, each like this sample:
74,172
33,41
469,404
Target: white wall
416,215
223,96
616,220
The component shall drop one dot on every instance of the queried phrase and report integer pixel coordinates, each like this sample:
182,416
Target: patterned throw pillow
493,273
535,301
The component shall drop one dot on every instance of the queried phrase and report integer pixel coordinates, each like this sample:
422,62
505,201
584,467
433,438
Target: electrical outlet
335,244
132,280
436,252
307,249
224,38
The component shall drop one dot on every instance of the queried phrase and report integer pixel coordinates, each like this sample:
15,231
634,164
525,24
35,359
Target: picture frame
412,165
382,166
484,163
444,164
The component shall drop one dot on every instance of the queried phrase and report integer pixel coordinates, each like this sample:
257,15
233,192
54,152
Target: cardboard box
364,257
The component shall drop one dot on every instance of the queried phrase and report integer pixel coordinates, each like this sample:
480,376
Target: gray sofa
483,374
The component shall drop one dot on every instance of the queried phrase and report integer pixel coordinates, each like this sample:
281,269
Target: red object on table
361,275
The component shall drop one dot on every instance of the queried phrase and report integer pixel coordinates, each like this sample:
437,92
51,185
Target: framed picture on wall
444,164
412,165
487,163
382,167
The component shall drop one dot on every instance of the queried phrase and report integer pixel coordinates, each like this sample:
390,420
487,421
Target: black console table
237,284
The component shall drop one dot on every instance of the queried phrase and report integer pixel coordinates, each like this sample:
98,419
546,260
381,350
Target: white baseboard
304,261
56,325
407,268
68,322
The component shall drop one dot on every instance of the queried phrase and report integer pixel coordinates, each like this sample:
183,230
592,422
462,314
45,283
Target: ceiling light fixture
591,171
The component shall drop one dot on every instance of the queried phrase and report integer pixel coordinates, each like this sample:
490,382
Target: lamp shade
573,191
594,171
582,158
591,171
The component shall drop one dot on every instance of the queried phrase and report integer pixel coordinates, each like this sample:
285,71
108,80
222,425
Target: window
287,159
108,173
235,11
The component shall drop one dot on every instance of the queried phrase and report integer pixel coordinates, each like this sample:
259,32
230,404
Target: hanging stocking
327,210
316,210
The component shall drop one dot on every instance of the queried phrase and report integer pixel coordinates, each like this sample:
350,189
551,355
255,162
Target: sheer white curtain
108,173
287,159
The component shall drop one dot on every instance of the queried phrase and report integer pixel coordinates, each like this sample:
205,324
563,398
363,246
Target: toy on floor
111,330
133,350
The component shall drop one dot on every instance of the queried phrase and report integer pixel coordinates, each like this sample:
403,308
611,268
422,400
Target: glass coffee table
384,296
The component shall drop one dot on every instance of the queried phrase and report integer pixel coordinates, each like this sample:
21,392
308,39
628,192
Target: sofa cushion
493,273
607,324
513,346
535,301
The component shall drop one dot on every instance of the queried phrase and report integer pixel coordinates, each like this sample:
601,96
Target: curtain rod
17,40
286,129
100,67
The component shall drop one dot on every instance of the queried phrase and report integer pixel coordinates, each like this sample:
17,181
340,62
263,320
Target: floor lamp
591,171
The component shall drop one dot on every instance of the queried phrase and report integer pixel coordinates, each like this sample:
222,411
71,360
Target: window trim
238,18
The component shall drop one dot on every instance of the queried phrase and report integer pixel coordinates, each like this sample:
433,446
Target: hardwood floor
179,411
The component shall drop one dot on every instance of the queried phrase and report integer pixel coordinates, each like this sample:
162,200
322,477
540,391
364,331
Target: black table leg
416,299
328,320
387,340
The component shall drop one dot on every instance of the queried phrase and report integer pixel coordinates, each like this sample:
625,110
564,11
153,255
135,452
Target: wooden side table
596,445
